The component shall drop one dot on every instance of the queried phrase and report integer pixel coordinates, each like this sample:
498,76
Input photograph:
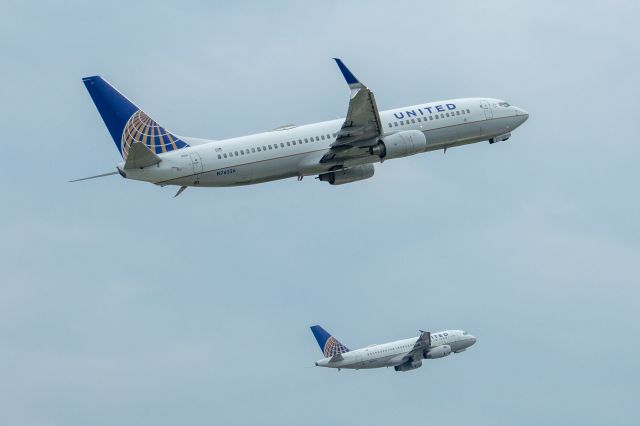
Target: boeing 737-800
402,355
337,151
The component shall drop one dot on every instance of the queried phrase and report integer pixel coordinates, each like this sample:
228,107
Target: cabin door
488,112
196,160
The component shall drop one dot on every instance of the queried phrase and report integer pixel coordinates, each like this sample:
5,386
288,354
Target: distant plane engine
400,144
352,174
437,352
409,365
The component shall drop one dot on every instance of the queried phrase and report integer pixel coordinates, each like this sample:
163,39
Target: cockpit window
504,104
464,333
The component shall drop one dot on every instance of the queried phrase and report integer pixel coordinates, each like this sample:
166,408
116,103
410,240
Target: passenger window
264,148
468,112
431,117
225,155
317,138
300,141
437,118
306,140
281,145
402,122
419,119
219,157
447,114
413,121
258,149
457,112
237,153
395,124
293,142
288,144
322,137
242,152
253,150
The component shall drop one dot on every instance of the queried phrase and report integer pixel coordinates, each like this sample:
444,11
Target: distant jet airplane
402,355
337,151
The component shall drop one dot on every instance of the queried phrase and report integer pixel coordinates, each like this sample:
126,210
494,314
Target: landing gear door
488,112
196,160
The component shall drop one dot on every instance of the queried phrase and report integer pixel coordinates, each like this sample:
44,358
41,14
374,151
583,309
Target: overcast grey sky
120,305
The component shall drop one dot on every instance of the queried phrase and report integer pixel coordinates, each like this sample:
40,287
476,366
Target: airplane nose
473,340
520,117
524,115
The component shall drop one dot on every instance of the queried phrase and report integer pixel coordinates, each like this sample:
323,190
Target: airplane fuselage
300,151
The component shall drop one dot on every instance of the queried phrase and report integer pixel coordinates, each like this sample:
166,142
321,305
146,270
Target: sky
121,305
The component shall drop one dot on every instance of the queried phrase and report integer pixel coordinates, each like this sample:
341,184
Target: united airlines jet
402,355
337,151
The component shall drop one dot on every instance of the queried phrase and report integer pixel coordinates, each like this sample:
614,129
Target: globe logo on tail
140,128
333,347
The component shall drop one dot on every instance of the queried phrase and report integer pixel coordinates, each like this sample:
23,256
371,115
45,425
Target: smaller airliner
402,355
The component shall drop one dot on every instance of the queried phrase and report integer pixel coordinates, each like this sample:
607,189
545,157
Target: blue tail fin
126,122
329,345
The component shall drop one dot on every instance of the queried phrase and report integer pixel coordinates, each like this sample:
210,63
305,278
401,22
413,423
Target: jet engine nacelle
352,174
400,144
438,352
409,365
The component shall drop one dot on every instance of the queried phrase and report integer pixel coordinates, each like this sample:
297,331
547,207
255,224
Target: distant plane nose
522,113
473,340
521,116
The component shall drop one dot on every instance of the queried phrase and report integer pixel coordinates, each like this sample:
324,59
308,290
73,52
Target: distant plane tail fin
329,345
128,124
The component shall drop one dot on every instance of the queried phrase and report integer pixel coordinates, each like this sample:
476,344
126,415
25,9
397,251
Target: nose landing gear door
488,112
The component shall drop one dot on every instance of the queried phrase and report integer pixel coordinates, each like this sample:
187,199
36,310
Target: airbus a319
402,355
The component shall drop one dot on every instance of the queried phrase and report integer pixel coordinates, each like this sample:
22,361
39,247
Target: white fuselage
393,354
297,151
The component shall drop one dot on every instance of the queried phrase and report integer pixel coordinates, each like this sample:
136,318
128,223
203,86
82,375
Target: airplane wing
417,352
362,126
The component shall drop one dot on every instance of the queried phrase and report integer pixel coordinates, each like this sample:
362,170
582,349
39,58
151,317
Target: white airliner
402,355
337,151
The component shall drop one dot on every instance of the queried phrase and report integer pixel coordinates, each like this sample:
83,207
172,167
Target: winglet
352,81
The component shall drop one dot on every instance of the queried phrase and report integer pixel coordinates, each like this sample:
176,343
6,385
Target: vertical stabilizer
329,345
127,123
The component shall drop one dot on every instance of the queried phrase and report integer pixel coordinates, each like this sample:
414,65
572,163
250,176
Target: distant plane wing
362,126
423,342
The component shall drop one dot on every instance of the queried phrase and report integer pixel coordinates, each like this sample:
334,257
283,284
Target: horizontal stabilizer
336,358
139,156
